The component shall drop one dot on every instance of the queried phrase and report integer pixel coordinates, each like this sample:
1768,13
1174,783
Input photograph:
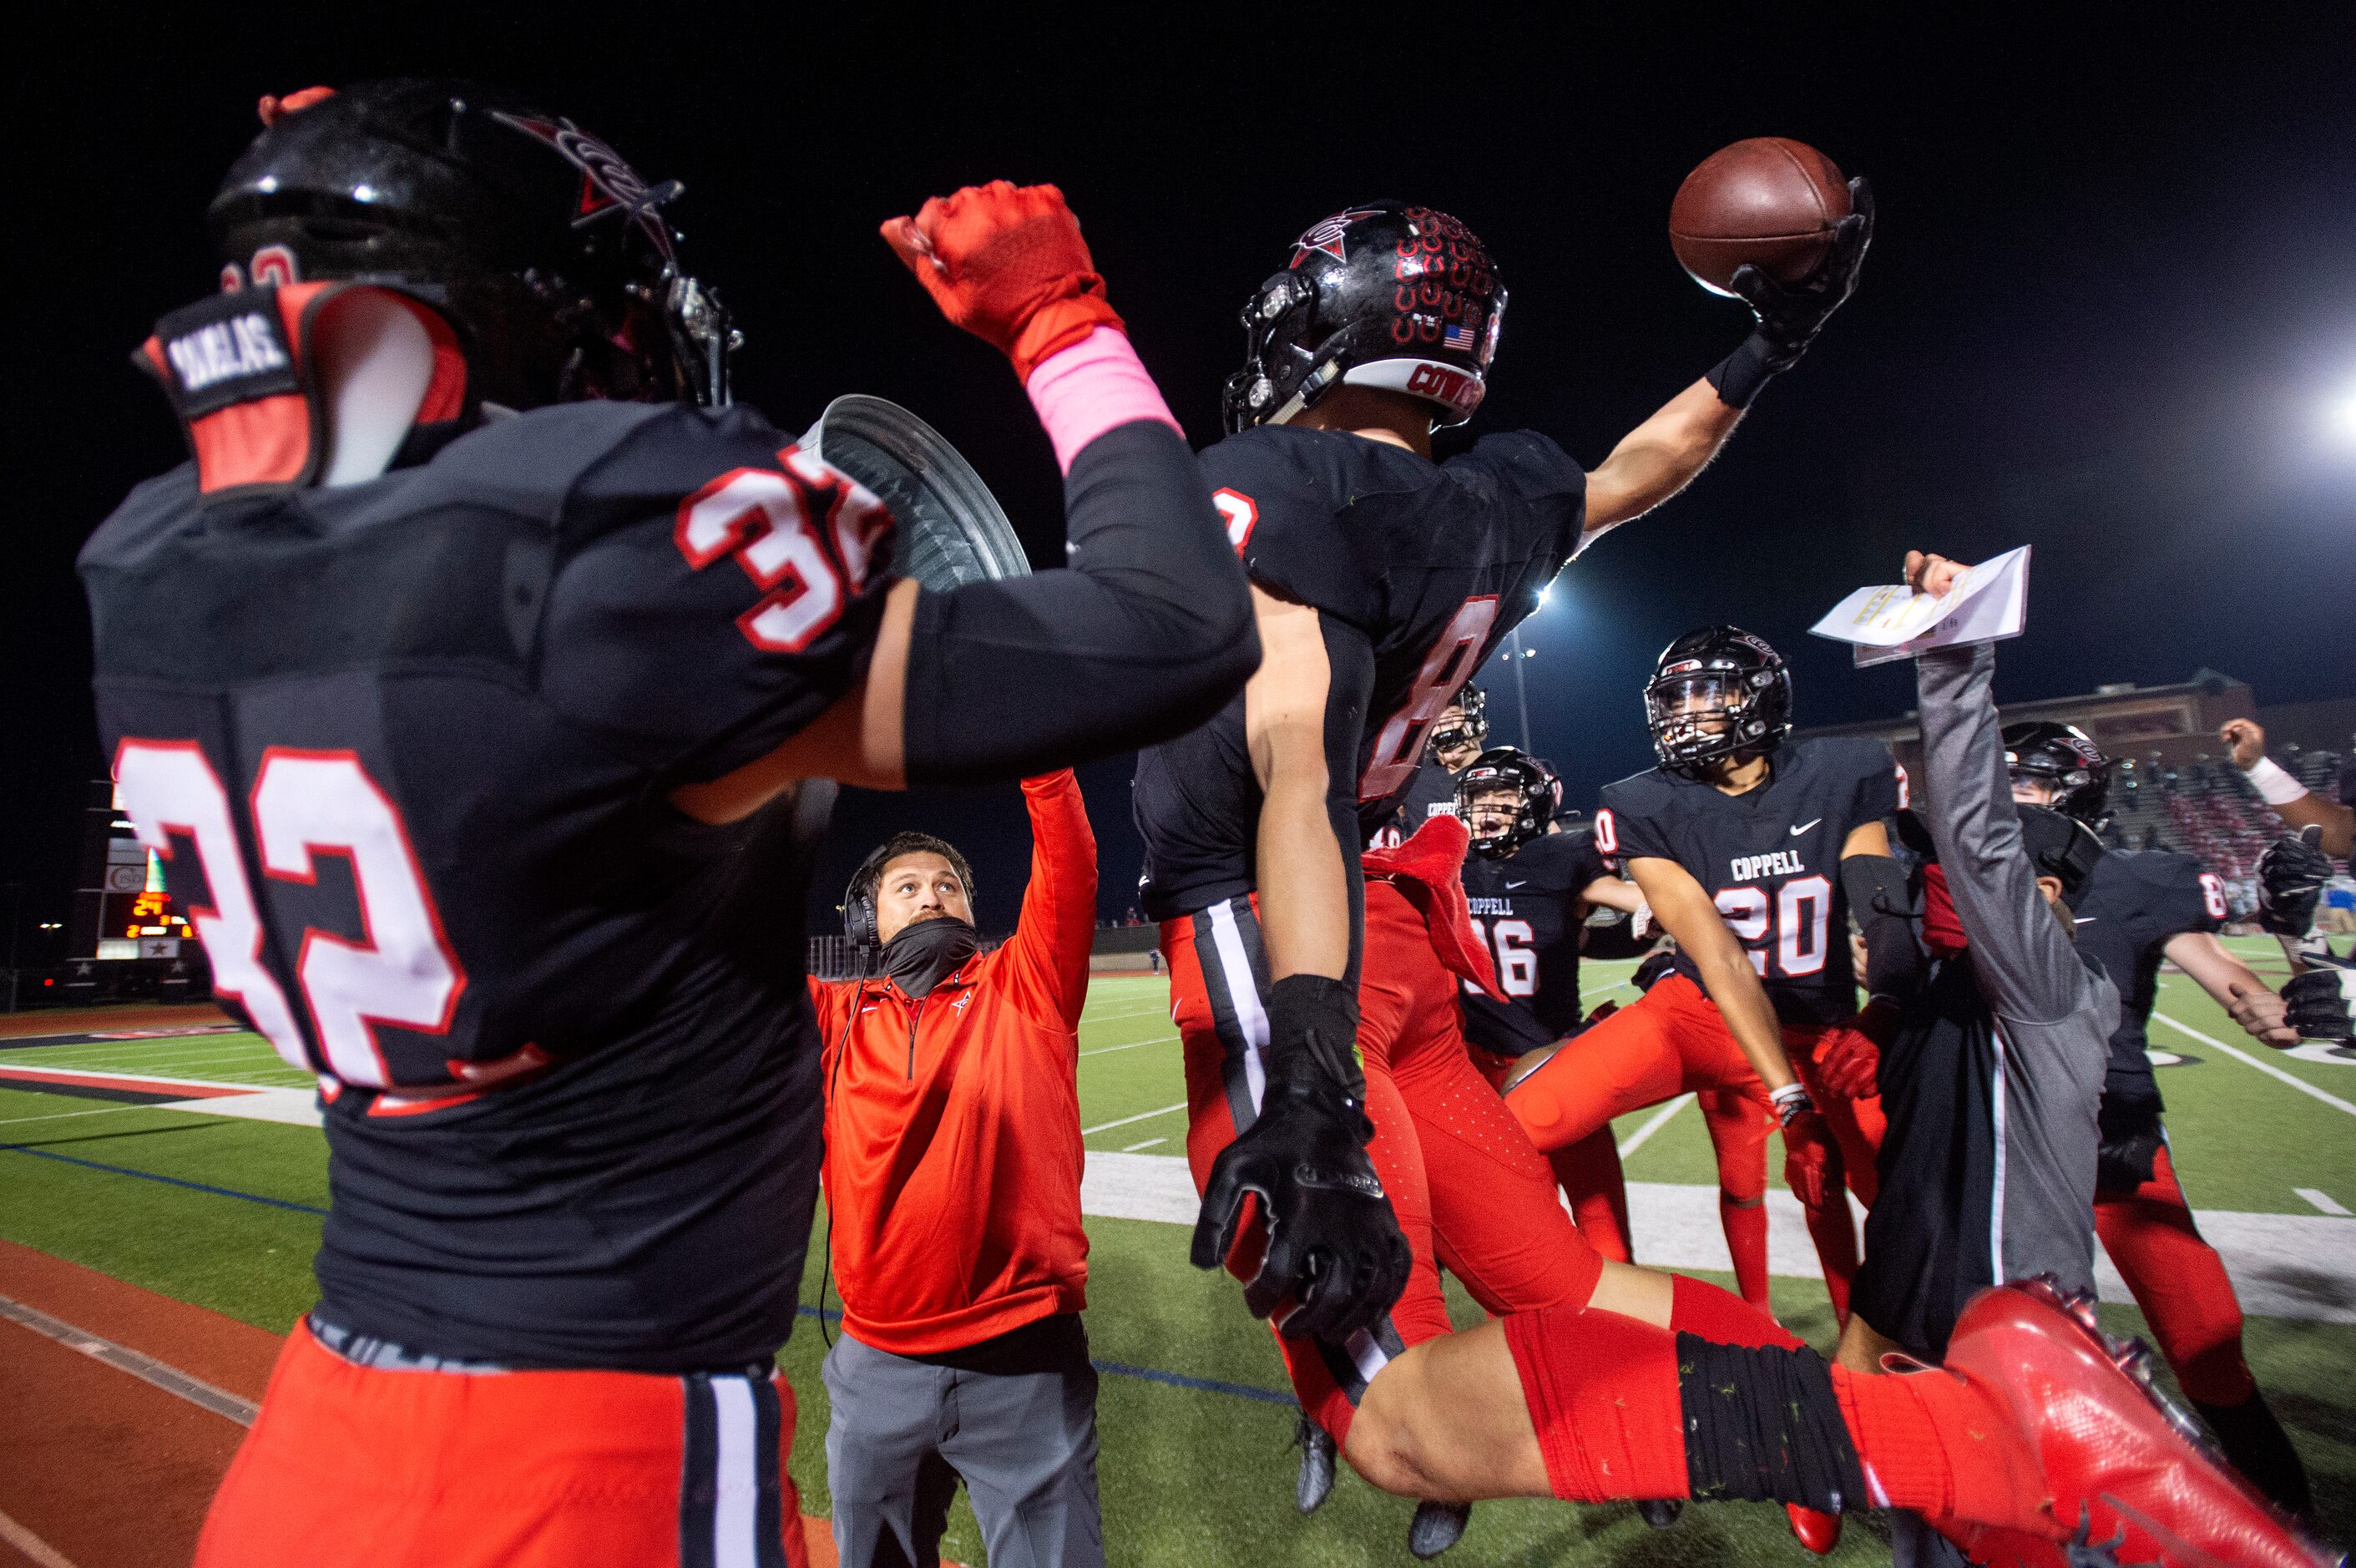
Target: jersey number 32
304,804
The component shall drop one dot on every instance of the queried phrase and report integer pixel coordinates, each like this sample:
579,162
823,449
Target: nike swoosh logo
1803,827
1511,885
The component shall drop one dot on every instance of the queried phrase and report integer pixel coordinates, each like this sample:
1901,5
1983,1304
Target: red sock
1931,1443
1834,1231
1602,1394
1708,1313
1746,1239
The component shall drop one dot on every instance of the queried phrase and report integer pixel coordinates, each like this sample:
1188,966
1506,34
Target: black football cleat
1436,1527
1661,1513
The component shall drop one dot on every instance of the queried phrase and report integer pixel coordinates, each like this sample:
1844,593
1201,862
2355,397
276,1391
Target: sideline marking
1151,1142
64,1115
2267,1067
2321,1199
166,1180
1642,1136
1157,1041
32,1545
122,1359
1140,1116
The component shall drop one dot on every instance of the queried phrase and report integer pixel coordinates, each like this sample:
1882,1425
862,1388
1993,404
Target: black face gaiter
922,955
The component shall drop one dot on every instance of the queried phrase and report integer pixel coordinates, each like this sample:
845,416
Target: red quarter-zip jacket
953,1123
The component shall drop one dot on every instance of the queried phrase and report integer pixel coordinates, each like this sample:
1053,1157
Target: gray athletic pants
1013,1417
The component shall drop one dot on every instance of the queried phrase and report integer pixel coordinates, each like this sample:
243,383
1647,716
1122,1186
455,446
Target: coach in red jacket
953,1180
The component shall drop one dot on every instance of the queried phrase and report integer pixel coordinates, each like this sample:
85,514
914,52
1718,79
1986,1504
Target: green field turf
1189,1475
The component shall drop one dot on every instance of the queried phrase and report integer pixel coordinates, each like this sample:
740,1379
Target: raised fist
2248,741
1008,264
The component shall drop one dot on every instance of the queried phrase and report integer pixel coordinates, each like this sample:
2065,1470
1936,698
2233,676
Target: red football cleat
2127,1473
1817,1530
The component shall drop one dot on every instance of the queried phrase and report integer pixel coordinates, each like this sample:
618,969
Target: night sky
2111,298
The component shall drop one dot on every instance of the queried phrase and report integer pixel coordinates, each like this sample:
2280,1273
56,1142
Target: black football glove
1790,316
2291,878
2321,1003
1334,1248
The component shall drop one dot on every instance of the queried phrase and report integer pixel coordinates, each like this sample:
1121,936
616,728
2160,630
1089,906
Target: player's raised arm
1147,635
1682,908
1660,456
2291,801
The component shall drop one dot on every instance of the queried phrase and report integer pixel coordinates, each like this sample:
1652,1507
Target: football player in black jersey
2141,909
1530,884
464,682
1457,738
1380,581
1751,850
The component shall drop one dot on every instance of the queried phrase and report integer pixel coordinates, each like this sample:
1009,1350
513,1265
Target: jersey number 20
1799,925
304,804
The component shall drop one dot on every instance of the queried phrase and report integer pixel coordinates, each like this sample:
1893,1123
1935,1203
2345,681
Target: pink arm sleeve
1086,389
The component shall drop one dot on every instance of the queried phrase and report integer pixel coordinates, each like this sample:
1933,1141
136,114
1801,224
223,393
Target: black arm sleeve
1147,635
1878,898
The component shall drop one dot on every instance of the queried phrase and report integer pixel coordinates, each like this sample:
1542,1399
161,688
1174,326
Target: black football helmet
1474,730
1722,675
544,250
2066,761
1381,294
1532,783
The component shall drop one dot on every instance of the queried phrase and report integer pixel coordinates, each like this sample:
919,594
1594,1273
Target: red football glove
1007,264
1850,1065
1807,1158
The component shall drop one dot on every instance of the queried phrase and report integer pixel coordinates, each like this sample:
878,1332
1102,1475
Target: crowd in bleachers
2207,808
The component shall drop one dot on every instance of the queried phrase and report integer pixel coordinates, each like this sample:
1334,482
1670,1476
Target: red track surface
80,1020
107,1469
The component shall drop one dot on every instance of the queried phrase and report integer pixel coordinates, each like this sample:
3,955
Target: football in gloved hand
1769,202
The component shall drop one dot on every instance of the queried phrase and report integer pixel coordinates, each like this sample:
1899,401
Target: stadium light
2341,420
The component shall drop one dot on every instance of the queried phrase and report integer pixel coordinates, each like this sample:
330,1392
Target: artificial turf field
1196,1466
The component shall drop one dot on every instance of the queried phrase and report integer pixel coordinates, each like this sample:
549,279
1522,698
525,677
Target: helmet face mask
2058,766
1532,793
1468,729
1384,295
1716,692
536,242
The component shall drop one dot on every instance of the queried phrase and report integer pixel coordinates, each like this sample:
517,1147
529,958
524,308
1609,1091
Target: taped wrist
2275,786
1313,1038
1763,1425
1146,637
1884,911
1791,1100
1739,377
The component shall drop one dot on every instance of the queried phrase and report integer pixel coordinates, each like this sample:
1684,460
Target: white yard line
1157,1041
2322,1200
62,1115
1660,1119
1140,1116
2267,1067
1132,1148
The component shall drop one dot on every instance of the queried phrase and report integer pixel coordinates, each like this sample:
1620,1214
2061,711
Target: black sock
1763,1425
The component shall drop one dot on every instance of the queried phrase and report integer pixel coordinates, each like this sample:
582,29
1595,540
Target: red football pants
350,1465
2179,1281
1465,1184
1674,1041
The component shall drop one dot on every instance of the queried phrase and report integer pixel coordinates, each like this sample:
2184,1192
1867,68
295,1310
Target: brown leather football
1769,201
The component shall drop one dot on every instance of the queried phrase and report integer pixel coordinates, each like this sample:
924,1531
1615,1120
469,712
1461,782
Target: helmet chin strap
374,362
